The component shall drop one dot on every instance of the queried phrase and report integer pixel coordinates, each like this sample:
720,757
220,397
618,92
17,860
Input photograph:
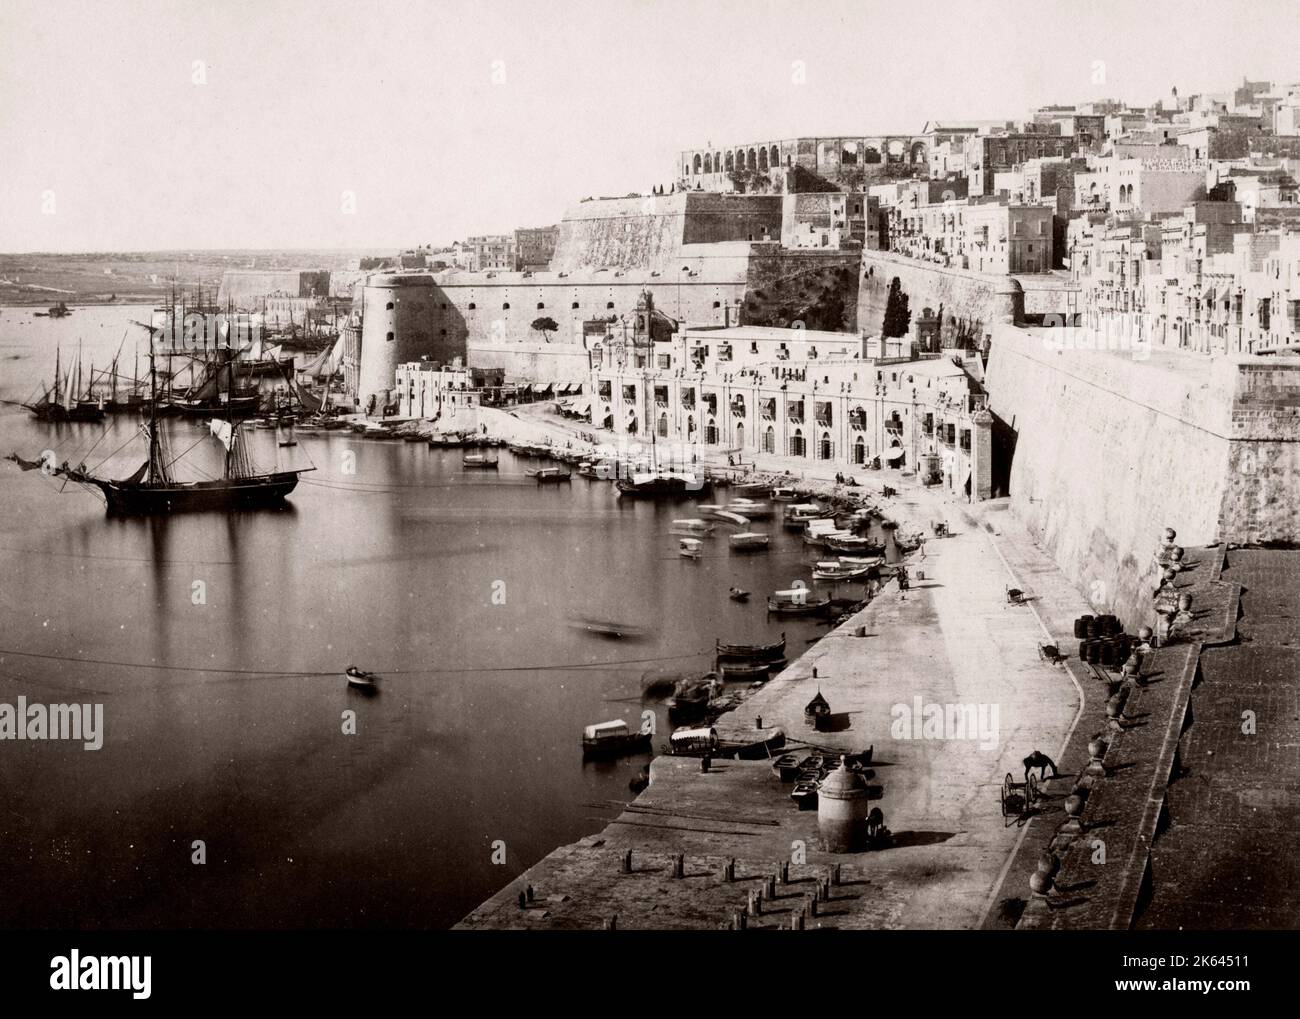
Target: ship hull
135,499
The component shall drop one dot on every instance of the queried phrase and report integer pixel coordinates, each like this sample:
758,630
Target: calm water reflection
473,739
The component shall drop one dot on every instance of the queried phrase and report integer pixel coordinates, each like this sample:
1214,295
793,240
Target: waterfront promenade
951,639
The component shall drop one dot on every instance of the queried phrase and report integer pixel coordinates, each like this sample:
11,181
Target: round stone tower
396,326
842,808
1010,302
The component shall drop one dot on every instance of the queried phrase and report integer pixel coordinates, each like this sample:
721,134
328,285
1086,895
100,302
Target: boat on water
692,525
608,628
751,509
745,671
796,602
478,461
797,515
750,488
738,594
691,696
613,739
690,548
361,680
729,517
550,475
749,541
783,494
852,543
750,652
153,489
662,485
833,569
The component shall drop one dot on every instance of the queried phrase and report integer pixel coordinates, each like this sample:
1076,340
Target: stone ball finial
1048,863
1145,633
1039,883
1074,804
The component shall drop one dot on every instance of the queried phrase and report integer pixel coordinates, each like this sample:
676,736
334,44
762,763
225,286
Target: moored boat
550,475
796,602
359,679
833,569
477,461
750,652
749,541
613,739
690,548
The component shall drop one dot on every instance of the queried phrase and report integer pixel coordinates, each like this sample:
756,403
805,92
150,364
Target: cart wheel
1006,793
1031,791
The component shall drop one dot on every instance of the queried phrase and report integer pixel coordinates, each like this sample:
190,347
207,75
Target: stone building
803,394
534,247
832,158
987,154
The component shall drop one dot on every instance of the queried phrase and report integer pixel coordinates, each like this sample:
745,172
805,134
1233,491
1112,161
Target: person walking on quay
1039,760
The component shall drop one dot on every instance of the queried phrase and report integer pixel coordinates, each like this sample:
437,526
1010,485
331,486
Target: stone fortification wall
649,232
1109,450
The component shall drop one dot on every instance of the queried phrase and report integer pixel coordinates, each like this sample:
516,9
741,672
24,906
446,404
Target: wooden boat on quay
750,652
749,541
743,744
613,739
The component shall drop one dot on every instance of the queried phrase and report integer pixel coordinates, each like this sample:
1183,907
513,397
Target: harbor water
241,783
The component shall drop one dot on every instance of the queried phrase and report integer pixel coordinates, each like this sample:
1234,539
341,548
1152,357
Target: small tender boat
816,711
833,569
477,461
749,541
608,628
691,696
690,548
361,680
786,767
804,794
731,518
784,495
798,514
550,475
750,509
738,594
852,543
693,525
612,739
750,652
796,602
747,671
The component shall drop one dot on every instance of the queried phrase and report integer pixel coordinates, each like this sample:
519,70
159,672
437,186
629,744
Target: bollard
826,889
785,872
705,761
737,921
769,888
796,920
523,901
529,890
755,906
679,865
812,905
835,875
758,721
627,862
612,923
731,869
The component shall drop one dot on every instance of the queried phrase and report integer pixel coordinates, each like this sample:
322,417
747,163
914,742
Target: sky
134,125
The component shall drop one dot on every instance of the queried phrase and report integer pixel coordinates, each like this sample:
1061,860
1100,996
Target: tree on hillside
546,325
897,315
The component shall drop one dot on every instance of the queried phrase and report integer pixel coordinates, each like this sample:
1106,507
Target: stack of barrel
1102,641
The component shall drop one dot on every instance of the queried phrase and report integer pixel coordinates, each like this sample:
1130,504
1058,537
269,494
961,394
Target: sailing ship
152,489
66,400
